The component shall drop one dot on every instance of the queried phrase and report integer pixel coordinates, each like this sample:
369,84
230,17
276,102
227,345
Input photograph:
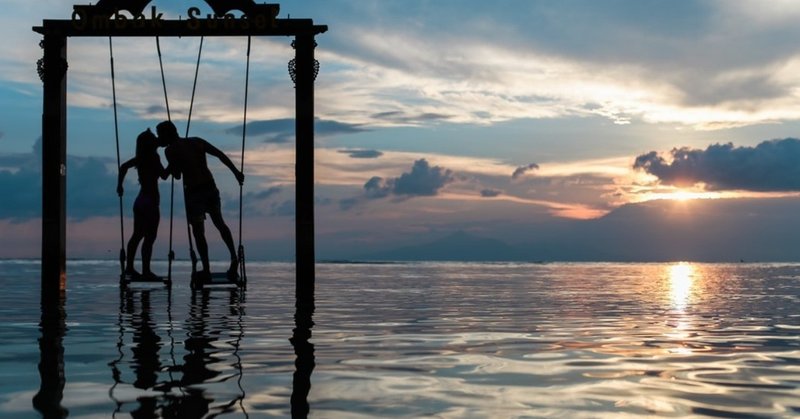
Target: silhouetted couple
186,158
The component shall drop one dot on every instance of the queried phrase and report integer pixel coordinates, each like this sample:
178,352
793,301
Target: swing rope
243,272
194,86
241,162
192,253
171,255
188,123
116,134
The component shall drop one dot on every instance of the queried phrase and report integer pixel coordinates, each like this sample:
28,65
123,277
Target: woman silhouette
146,212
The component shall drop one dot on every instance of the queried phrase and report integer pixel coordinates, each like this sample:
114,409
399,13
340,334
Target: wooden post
304,361
53,71
52,378
305,72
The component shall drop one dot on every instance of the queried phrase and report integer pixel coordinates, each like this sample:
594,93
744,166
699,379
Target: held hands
120,190
239,177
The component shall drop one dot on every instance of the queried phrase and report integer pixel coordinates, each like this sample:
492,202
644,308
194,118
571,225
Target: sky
569,130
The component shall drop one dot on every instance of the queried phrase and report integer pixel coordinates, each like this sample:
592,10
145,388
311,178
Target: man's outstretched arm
210,149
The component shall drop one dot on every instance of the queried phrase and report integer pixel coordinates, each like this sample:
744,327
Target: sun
683,196
680,195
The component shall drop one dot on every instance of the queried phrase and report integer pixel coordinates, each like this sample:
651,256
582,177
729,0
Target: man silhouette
187,159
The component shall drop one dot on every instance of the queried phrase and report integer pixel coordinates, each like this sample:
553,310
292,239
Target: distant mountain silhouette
725,230
459,246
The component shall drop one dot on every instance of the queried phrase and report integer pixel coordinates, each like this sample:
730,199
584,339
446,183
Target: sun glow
681,278
683,195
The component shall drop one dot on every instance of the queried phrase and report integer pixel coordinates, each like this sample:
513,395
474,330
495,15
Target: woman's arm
163,173
123,170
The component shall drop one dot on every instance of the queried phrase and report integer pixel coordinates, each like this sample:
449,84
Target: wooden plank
180,28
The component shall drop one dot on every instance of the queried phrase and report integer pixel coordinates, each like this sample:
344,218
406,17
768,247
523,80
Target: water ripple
411,340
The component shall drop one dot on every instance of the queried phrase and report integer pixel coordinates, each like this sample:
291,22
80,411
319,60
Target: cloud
2,134
360,153
278,131
769,166
348,203
490,193
251,200
377,188
401,117
288,207
522,169
156,110
21,192
283,209
90,188
262,195
423,180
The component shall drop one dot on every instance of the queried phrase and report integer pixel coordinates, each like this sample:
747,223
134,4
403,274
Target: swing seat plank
128,279
215,278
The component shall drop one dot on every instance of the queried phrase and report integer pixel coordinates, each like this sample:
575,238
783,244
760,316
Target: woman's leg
133,243
150,234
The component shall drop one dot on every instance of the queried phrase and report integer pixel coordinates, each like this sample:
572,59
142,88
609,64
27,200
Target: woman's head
146,143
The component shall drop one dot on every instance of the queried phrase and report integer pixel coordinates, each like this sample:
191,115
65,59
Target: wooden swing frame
106,20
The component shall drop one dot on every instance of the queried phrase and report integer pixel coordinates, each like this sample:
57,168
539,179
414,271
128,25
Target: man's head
167,133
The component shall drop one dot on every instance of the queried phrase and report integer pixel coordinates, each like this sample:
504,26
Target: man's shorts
200,201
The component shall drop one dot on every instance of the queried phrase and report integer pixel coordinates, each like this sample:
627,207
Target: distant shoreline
406,262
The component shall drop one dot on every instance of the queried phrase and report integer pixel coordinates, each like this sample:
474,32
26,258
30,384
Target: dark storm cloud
282,130
362,153
769,166
423,180
522,169
490,193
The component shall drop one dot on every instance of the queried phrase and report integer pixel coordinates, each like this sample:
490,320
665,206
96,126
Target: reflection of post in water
145,350
209,323
51,356
304,359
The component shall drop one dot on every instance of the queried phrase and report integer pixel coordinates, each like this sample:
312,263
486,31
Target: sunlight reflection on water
410,340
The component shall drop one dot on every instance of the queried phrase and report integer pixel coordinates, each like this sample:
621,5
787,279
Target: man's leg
227,237
198,229
195,213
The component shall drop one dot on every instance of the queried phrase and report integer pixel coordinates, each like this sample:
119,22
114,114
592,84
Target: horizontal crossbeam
179,28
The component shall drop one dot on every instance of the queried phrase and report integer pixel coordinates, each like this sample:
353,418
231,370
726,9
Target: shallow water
409,340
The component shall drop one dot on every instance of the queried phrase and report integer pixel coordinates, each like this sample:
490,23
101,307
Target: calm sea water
409,340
